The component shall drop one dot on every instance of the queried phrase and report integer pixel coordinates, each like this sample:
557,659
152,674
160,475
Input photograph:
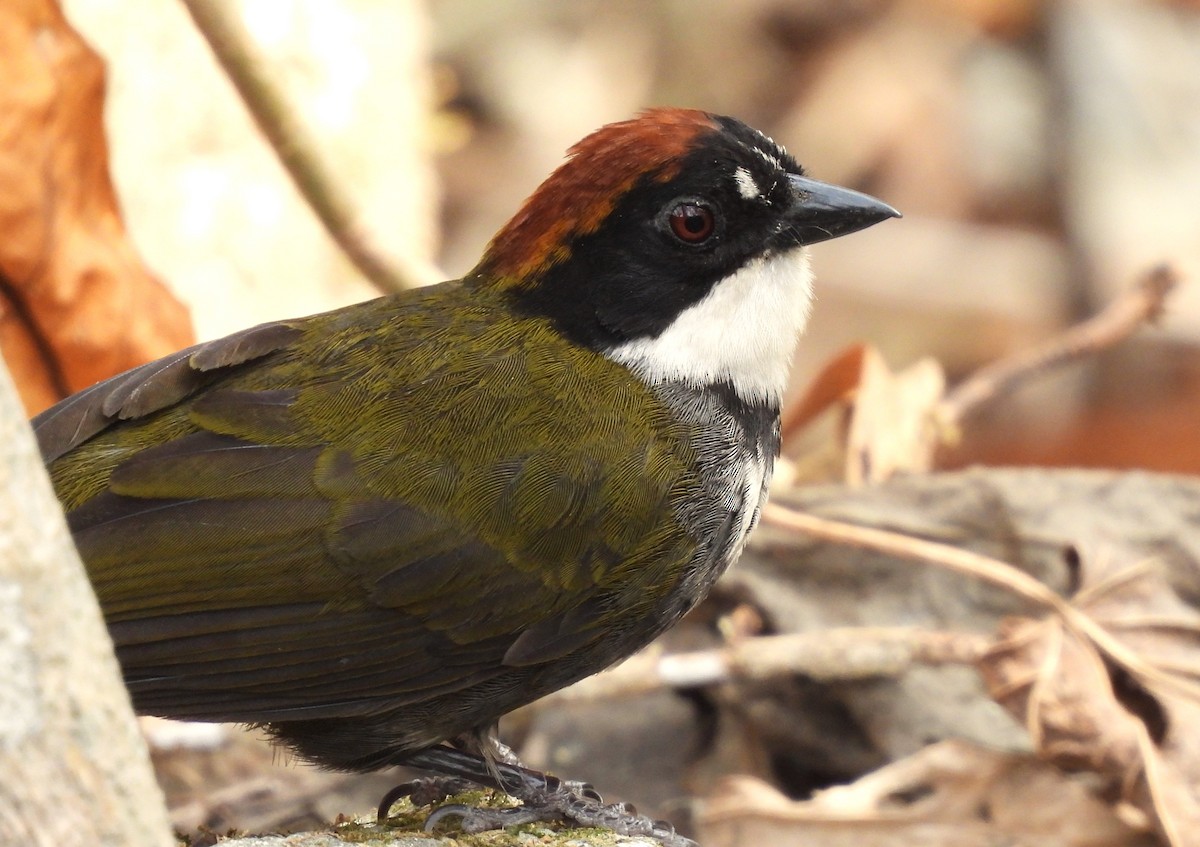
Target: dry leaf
76,302
891,424
891,428
1115,690
952,793
834,383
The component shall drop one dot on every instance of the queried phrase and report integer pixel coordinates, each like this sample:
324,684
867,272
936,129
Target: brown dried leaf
76,302
891,422
836,381
1114,690
892,426
1043,672
952,793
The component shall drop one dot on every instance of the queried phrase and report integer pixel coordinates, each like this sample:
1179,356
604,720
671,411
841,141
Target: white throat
743,332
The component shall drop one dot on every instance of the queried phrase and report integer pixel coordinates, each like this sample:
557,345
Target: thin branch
1141,304
906,547
991,570
222,27
839,654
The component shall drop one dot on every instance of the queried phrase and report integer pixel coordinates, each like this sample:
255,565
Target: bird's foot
556,800
424,792
542,797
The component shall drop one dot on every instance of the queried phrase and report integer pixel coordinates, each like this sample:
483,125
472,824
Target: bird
376,530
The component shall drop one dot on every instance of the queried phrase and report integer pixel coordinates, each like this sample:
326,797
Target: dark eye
692,223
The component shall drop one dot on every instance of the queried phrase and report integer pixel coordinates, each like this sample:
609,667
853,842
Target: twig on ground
983,567
833,655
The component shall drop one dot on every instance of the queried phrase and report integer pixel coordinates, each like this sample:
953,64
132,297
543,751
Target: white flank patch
743,332
754,496
747,187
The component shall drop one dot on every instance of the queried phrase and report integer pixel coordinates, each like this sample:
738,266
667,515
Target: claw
473,819
423,793
404,789
448,811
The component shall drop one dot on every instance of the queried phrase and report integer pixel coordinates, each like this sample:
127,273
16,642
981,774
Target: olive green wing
347,522
255,604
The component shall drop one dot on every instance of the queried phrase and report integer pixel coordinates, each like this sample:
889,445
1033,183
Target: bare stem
907,547
833,655
982,567
222,27
1140,304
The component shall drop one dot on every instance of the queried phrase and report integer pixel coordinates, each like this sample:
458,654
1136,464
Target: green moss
407,820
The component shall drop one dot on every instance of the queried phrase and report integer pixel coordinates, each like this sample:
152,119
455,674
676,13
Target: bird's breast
734,449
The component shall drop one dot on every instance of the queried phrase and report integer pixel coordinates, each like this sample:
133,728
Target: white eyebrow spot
747,187
770,160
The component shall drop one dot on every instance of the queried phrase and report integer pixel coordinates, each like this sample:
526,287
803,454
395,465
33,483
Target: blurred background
1045,154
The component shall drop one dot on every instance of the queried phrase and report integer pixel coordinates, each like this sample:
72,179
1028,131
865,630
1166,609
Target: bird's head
674,244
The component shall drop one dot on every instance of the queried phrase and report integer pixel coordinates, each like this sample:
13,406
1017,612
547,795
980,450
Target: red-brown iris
692,222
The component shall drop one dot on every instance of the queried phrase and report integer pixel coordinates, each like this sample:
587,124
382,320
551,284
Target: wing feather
151,387
319,518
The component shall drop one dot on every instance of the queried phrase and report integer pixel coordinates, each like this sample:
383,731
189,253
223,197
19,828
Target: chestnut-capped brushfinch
376,530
